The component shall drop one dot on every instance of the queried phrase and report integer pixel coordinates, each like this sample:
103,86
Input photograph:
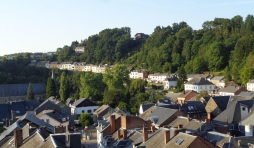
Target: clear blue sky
45,25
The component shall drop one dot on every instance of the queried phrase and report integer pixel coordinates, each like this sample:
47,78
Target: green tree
64,88
85,119
122,105
152,97
117,77
91,85
113,97
246,74
30,93
50,88
202,94
182,78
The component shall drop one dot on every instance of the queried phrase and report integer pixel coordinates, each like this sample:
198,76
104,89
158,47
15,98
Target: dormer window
243,108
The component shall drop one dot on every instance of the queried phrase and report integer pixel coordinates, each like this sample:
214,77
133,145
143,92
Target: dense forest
223,45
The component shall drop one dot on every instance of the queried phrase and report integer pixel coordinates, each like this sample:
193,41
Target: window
89,111
17,111
243,108
83,111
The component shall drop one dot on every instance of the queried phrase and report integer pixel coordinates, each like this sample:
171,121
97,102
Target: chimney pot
145,134
208,118
166,137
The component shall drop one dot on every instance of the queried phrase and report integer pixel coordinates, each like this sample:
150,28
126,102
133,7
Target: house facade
79,49
250,85
199,84
231,90
170,82
83,106
138,74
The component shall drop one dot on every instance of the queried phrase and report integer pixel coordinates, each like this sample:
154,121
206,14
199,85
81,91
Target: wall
85,109
199,88
53,122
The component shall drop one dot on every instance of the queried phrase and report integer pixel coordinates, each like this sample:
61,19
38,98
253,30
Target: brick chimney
188,118
166,136
118,134
180,126
176,132
124,134
208,118
18,137
113,123
152,128
145,133
59,129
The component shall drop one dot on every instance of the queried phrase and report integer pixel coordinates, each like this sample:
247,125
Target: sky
45,25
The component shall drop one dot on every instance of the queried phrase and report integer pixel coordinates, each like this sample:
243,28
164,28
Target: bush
85,119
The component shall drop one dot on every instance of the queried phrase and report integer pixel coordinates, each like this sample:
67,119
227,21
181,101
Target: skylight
179,141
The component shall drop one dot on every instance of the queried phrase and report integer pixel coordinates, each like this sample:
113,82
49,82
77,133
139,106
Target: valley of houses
223,119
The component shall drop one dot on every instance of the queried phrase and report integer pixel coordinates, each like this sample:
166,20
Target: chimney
13,115
180,126
152,128
239,143
166,137
118,134
124,134
188,118
208,118
113,123
18,137
145,133
176,132
180,107
7,122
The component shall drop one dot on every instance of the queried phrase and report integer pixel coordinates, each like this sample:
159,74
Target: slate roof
158,115
245,140
186,141
35,140
4,112
7,90
217,138
79,101
221,101
47,104
145,107
230,89
164,101
246,93
156,140
249,119
217,78
172,96
251,81
9,130
199,81
185,93
193,107
233,113
69,101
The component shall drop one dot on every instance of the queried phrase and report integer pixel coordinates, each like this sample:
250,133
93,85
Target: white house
231,90
138,74
157,77
250,85
170,82
199,84
54,118
87,67
79,49
83,106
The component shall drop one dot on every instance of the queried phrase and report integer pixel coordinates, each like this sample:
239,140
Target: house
220,140
183,140
87,67
83,105
157,77
194,109
66,66
22,121
79,49
30,137
229,119
78,66
138,74
250,85
100,112
216,104
160,116
185,96
8,57
218,81
199,84
248,123
47,105
54,65
172,96
141,36
170,82
231,90
144,107
117,123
